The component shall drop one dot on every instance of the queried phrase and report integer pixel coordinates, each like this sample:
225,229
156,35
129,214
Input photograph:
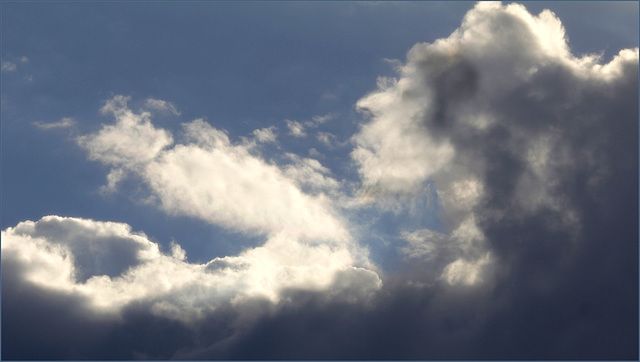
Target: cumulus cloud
111,268
205,175
130,143
220,182
492,115
533,154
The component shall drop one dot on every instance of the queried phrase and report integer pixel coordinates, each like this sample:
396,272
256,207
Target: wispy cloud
296,129
65,122
161,106
299,129
13,64
265,135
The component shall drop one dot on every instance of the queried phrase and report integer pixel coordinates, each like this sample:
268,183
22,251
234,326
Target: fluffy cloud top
211,178
130,143
307,245
496,116
265,135
111,268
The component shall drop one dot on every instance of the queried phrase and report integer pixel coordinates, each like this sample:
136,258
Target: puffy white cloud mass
112,267
213,179
204,175
492,116
130,143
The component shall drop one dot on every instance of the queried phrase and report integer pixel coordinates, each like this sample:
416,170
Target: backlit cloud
487,210
161,106
111,267
493,116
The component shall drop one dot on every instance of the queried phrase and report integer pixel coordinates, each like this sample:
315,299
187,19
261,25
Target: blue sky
391,146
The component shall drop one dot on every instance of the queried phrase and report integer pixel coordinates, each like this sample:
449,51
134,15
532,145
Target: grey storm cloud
533,152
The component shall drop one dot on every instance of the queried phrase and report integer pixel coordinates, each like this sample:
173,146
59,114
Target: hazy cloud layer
533,154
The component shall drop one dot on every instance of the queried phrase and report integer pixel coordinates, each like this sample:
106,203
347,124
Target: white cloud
206,176
466,272
210,178
222,183
12,65
162,106
65,122
265,135
131,142
309,174
318,120
494,101
9,67
327,138
296,128
112,267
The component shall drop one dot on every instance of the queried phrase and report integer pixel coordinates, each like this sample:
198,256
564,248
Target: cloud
9,67
130,143
65,122
533,154
318,120
492,116
206,176
112,268
296,128
265,135
161,106
327,138
310,175
223,183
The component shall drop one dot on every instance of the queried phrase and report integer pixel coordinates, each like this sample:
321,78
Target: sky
319,180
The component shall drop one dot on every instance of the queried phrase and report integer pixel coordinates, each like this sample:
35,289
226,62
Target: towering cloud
506,122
